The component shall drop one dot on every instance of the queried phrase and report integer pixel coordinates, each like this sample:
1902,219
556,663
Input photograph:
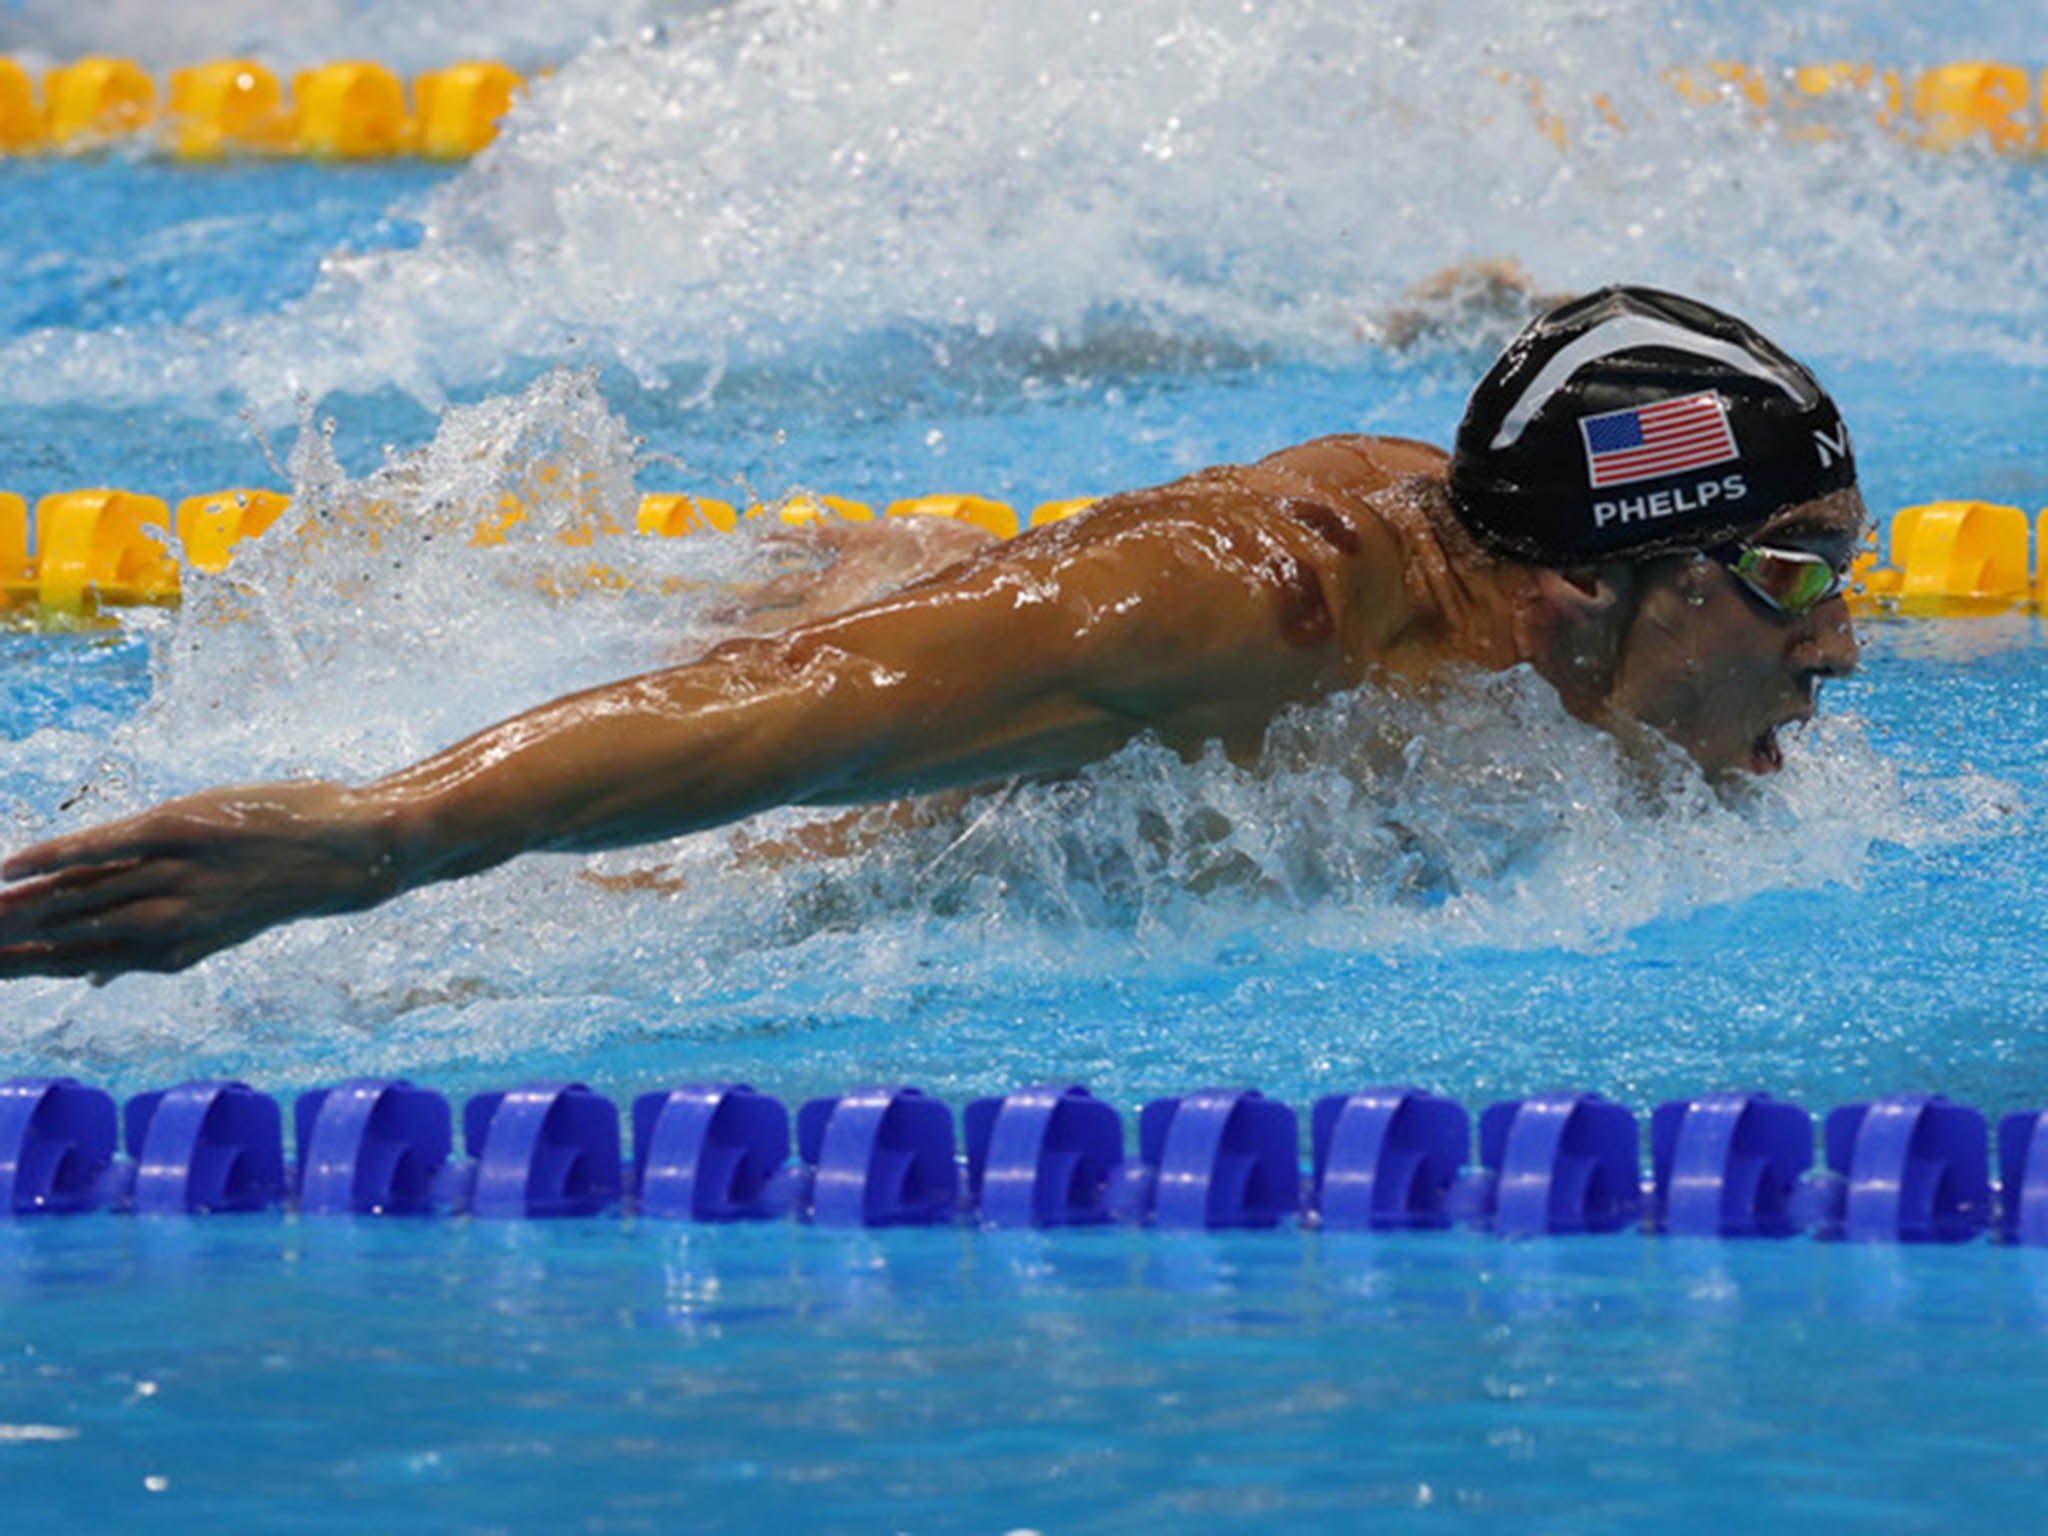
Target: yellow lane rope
356,109
85,552
350,110
88,553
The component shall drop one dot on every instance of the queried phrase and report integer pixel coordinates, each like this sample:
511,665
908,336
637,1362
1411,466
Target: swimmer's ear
1585,579
1589,596
1573,629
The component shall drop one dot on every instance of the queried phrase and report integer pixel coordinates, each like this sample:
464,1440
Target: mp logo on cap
1832,446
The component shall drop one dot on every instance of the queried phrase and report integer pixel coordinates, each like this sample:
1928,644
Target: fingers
176,827
95,921
146,935
58,853
30,910
117,842
145,920
19,960
172,885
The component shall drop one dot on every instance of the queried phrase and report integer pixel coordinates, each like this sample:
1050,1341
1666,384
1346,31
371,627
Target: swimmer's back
1194,611
1332,530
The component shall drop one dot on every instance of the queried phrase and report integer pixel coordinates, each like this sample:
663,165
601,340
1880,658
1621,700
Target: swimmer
1648,503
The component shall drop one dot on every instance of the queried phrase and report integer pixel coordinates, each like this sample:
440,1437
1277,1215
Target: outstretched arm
1039,656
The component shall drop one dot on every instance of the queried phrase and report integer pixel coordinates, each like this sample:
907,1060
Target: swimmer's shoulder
1318,526
1350,489
1348,476
1357,466
1337,505
1344,493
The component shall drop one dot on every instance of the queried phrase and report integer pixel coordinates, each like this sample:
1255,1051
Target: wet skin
1195,612
1715,669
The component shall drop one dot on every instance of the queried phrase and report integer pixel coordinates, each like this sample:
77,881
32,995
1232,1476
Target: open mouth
1767,751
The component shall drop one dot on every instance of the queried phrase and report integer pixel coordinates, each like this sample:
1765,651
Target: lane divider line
87,554
354,109
1907,1168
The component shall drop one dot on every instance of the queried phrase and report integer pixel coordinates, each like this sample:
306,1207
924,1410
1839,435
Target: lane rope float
352,109
87,554
1908,1168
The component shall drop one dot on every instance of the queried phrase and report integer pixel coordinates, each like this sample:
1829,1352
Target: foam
408,37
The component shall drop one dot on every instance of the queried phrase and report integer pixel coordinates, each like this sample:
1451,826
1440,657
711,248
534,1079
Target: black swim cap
1631,421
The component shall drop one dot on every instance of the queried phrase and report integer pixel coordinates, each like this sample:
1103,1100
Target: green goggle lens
1793,581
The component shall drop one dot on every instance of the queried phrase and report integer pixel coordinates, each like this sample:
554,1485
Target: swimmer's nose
1828,647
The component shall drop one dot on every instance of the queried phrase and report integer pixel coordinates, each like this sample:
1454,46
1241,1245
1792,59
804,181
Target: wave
756,186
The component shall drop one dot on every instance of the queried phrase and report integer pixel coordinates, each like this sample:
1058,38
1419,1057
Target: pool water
656,282
581,1375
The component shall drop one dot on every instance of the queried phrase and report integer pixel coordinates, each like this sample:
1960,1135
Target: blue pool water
868,290
499,1377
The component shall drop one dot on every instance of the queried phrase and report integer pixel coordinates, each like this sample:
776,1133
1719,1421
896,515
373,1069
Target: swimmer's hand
163,890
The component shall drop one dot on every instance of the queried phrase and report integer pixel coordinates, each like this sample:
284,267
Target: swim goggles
1789,581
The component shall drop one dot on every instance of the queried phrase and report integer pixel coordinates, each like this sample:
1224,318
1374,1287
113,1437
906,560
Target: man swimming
1648,503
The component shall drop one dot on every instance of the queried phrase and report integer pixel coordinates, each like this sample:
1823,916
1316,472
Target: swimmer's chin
1724,765
1764,756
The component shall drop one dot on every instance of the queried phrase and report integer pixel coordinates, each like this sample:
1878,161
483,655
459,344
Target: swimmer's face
1716,669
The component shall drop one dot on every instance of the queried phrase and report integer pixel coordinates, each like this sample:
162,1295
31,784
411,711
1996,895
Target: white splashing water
397,33
782,176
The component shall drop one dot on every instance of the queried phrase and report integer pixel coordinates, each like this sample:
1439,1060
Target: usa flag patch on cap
1648,442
